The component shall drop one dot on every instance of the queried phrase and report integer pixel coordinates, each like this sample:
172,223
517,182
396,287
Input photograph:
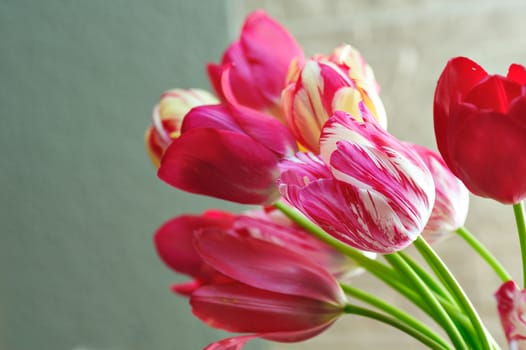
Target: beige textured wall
408,43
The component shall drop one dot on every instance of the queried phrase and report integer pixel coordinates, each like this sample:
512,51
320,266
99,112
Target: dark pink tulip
451,197
511,304
260,60
278,294
367,189
174,242
228,151
480,128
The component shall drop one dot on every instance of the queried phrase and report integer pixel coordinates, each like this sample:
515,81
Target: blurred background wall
79,199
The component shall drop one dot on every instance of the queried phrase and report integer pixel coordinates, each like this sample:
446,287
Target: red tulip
228,151
511,304
367,189
168,116
260,61
324,85
451,197
480,127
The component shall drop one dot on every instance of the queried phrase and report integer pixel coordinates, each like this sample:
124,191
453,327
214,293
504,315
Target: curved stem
357,310
396,313
426,293
484,253
432,258
518,210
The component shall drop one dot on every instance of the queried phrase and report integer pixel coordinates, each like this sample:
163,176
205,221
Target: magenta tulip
367,189
511,304
260,61
228,151
451,197
480,127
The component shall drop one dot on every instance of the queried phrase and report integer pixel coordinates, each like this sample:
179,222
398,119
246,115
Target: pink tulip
451,197
324,85
366,188
168,116
260,61
511,304
228,151
277,294
174,243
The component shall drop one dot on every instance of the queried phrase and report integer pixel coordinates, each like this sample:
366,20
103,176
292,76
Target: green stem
518,210
484,253
357,310
443,317
428,280
431,257
396,313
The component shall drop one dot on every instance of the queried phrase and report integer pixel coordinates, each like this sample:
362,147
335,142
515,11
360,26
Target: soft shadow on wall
80,199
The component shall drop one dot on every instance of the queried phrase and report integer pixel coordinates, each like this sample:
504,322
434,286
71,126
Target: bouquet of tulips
306,140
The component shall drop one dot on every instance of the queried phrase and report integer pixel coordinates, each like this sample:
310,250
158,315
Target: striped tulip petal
511,305
451,200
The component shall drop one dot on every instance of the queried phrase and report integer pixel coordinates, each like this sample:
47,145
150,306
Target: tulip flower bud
480,128
451,197
324,85
167,118
511,304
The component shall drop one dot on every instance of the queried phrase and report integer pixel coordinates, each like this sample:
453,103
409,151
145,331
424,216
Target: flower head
260,61
167,118
480,127
324,85
366,188
451,200
511,304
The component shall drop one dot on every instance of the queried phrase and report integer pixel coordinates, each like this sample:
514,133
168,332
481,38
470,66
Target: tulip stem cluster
484,253
518,210
443,299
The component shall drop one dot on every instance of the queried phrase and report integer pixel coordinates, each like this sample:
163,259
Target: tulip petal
511,304
267,266
270,49
221,164
174,242
237,307
459,76
484,150
234,343
517,73
493,93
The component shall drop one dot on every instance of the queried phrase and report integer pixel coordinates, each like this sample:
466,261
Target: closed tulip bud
260,60
324,85
366,188
480,128
167,118
511,305
451,197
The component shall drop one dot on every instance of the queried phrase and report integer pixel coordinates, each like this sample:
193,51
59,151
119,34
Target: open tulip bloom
338,195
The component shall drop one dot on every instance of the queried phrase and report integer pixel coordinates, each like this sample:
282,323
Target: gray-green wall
79,199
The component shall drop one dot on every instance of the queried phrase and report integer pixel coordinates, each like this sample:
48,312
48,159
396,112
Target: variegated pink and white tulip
260,62
366,188
167,118
511,304
324,85
451,200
